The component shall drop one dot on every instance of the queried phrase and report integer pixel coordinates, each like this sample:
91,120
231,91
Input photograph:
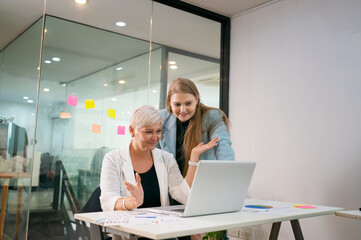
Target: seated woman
139,174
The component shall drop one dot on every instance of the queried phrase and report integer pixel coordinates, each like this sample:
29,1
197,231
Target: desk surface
216,222
14,175
356,214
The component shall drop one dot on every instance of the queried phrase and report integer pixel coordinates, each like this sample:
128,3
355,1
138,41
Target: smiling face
183,105
146,138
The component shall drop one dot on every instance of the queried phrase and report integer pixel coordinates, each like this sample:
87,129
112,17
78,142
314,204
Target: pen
98,220
259,206
137,214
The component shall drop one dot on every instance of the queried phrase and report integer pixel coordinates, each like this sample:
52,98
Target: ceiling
227,8
16,16
93,49
89,59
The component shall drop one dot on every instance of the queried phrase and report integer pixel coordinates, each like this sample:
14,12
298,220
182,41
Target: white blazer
117,168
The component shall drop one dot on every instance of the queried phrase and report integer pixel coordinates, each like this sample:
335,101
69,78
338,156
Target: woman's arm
178,186
217,128
110,183
137,195
111,197
135,200
196,152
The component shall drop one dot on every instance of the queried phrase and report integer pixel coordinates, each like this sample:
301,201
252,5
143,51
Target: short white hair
145,116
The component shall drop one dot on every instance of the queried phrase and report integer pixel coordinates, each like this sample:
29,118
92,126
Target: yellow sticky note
65,115
89,103
96,128
111,113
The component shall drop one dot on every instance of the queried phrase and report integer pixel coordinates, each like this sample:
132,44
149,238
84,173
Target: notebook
218,187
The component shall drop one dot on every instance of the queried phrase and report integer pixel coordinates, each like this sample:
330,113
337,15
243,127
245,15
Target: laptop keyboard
177,210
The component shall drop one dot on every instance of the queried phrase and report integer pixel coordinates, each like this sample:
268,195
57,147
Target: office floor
47,225
44,222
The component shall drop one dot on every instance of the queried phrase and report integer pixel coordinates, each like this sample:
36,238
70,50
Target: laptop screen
219,186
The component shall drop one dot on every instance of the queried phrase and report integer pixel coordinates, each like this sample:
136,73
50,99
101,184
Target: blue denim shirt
212,126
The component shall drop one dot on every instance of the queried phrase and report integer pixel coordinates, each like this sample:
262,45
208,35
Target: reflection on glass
106,73
18,81
203,72
91,80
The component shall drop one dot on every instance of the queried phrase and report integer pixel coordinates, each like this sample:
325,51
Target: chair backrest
93,203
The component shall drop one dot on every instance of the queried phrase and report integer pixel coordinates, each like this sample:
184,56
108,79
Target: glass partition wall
18,93
93,75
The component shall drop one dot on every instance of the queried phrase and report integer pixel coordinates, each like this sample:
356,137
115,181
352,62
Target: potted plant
220,235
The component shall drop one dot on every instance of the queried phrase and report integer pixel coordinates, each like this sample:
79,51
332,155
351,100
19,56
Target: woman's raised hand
137,194
201,148
196,152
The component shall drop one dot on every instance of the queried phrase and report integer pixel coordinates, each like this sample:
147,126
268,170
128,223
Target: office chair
93,205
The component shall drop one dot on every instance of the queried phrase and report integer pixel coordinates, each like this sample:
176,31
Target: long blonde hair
193,135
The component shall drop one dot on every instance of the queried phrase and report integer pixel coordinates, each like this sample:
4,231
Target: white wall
295,106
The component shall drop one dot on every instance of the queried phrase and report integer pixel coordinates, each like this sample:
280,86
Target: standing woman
187,121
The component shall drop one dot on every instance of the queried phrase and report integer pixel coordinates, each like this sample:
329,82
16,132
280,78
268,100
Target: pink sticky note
304,206
121,130
72,100
65,115
96,128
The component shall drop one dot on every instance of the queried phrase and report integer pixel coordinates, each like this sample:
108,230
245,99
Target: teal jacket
212,126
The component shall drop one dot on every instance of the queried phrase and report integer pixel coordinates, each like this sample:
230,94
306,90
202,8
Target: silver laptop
218,187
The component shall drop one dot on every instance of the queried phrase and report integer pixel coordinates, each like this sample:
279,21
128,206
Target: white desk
217,222
355,214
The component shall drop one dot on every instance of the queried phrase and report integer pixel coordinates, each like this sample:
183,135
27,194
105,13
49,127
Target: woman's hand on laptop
137,194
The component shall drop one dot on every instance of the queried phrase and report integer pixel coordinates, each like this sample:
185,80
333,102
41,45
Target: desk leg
275,230
95,232
18,211
297,229
3,206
